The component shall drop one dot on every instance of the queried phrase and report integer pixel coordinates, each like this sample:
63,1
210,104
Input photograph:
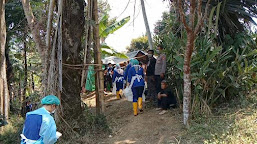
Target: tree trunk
25,69
32,79
148,32
4,93
187,78
98,69
73,26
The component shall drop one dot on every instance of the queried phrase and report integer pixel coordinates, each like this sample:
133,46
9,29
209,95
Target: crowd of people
142,79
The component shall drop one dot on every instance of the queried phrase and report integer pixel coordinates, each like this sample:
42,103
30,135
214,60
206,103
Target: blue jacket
139,81
117,75
126,72
40,125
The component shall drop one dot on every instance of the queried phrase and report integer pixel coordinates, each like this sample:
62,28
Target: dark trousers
137,92
151,86
107,81
119,85
164,103
158,81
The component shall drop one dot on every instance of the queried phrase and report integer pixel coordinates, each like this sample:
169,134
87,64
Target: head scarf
134,62
118,69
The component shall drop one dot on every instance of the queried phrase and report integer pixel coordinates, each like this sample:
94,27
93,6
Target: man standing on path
160,69
150,75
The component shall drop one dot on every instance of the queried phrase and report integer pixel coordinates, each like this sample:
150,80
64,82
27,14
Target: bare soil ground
146,128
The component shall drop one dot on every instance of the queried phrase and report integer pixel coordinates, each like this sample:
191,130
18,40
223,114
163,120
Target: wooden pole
87,25
150,41
99,73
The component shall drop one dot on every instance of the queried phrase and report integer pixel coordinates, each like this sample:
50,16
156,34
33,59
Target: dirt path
146,128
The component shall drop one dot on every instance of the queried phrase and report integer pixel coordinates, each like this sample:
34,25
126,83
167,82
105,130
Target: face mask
53,111
150,55
158,51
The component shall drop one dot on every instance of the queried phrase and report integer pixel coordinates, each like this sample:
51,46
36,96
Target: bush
219,73
10,133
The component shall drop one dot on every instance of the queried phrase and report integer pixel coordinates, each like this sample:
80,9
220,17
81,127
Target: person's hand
162,75
159,96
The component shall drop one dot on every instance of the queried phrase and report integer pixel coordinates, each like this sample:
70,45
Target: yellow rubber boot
118,95
135,108
140,104
120,92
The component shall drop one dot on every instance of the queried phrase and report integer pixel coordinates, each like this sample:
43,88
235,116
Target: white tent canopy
115,60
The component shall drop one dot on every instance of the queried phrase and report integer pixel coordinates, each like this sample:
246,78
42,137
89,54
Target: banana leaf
111,29
107,50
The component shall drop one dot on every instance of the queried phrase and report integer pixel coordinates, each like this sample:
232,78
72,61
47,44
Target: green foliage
108,51
232,17
219,72
3,121
105,30
231,123
107,27
89,128
140,43
11,132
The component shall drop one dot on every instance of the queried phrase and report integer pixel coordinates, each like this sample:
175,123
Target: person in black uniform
166,98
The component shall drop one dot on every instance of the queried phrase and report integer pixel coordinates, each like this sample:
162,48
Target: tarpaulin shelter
140,55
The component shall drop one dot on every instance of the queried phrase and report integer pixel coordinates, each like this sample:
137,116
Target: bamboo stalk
89,14
99,74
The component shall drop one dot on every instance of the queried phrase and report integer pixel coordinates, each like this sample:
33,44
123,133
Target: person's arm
164,95
114,76
163,69
48,130
130,72
143,74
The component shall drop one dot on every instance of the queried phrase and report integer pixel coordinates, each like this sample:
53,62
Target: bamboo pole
89,15
99,74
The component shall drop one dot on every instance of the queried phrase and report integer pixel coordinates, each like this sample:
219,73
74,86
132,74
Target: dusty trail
146,128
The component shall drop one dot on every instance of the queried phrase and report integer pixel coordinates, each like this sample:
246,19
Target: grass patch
89,128
235,123
10,134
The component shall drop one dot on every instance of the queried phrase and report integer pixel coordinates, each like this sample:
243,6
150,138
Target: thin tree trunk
49,25
98,69
187,79
25,68
32,79
148,32
33,27
87,27
4,93
39,41
195,9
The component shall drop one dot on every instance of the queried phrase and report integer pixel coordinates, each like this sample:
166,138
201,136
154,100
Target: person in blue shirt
126,70
137,84
40,127
118,80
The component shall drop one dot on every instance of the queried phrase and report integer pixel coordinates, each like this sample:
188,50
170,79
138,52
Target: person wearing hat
137,84
40,127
